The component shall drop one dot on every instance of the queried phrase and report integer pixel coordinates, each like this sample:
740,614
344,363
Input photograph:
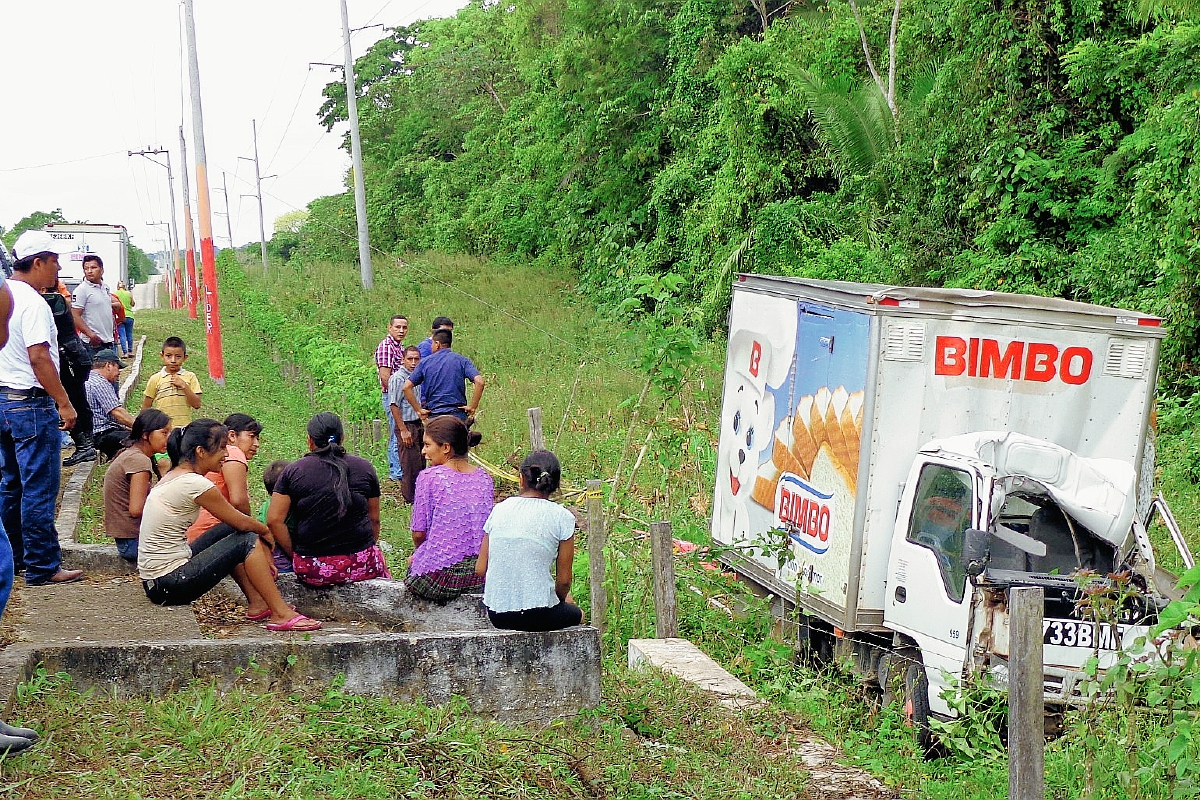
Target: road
145,295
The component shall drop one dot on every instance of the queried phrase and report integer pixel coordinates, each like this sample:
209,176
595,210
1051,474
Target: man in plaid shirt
389,357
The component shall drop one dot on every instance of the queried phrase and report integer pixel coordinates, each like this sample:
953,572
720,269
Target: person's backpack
71,352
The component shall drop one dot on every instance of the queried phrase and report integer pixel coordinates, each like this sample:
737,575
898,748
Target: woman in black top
334,500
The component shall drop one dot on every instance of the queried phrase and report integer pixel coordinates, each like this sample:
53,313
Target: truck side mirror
976,551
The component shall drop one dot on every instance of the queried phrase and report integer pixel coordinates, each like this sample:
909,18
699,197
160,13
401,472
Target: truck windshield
941,515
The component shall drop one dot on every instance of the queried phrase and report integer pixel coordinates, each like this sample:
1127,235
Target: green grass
651,738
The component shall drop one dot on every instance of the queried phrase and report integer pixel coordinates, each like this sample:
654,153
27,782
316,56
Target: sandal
260,616
299,623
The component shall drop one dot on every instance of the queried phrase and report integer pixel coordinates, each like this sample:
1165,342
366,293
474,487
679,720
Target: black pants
563,615
110,441
73,378
214,555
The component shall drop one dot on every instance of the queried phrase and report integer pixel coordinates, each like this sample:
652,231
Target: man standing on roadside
389,357
30,391
442,378
12,739
94,305
425,346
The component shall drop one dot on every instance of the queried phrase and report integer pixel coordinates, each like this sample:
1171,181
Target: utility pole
212,308
360,189
258,179
173,231
191,289
224,190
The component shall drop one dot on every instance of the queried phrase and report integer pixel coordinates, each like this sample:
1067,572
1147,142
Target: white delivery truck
892,460
110,242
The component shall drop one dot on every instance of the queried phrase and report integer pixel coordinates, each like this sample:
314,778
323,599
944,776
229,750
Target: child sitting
270,475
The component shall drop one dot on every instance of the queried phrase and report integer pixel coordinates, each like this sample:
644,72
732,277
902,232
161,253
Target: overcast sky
83,82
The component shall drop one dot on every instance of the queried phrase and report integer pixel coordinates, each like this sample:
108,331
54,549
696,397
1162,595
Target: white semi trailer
892,460
110,242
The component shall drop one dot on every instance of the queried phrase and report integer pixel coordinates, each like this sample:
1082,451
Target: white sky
83,82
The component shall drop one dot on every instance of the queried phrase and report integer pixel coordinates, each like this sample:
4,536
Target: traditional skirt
446,583
333,570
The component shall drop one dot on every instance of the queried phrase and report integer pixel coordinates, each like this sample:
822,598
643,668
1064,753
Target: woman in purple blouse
453,501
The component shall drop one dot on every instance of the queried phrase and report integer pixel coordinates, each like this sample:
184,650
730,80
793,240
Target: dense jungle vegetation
1044,146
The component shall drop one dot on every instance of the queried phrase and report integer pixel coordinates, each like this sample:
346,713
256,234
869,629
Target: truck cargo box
831,388
74,241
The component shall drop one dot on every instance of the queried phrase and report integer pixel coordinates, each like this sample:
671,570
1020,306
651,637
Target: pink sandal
298,623
260,616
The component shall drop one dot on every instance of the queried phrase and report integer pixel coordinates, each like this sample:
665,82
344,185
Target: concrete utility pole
212,308
173,231
191,288
360,189
258,179
225,194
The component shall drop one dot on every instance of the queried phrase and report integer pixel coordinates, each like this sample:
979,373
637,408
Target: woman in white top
523,537
174,572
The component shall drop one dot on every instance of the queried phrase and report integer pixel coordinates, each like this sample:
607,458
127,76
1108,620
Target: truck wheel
916,706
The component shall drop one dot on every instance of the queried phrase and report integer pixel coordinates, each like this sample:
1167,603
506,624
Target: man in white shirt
12,739
33,408
93,305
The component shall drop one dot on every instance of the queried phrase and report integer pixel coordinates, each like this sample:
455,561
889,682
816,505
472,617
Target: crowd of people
186,520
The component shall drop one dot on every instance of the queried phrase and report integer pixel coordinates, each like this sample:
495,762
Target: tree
34,222
141,266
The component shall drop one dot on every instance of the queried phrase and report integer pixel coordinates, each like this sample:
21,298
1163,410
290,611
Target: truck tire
916,706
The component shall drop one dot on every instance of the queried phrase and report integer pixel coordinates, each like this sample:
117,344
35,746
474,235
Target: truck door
927,595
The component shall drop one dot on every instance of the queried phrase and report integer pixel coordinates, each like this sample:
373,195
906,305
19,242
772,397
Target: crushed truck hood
1099,493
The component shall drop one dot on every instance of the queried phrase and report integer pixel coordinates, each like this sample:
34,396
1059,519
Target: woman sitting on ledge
527,534
453,500
129,477
334,499
176,573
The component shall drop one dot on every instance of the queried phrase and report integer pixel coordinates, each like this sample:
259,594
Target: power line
62,163
288,127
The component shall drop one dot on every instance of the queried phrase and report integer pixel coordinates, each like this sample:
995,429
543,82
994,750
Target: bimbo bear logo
805,513
746,426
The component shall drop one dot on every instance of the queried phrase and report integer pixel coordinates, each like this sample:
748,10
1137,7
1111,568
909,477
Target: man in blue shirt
442,378
425,346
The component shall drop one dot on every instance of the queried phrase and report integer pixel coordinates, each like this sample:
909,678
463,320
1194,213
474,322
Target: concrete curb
527,677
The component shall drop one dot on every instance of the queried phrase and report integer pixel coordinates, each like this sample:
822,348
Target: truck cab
981,513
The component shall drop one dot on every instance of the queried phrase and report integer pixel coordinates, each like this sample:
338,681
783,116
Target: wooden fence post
666,624
376,430
536,440
596,541
1026,698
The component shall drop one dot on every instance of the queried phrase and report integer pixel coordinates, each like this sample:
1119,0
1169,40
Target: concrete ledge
95,559
683,659
507,675
385,602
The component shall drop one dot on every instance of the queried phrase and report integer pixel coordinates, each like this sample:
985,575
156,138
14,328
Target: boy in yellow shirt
173,390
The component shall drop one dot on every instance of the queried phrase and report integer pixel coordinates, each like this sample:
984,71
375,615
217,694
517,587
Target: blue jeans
127,549
29,476
6,571
125,335
395,471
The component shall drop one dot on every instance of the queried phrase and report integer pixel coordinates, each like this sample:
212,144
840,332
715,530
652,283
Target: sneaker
86,454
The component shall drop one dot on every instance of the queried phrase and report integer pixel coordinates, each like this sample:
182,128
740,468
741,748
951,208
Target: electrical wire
288,127
63,163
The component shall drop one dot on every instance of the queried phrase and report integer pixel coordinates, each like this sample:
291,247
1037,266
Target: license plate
1077,633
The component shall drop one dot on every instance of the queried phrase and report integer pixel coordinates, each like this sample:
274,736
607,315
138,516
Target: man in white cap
33,408
12,739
